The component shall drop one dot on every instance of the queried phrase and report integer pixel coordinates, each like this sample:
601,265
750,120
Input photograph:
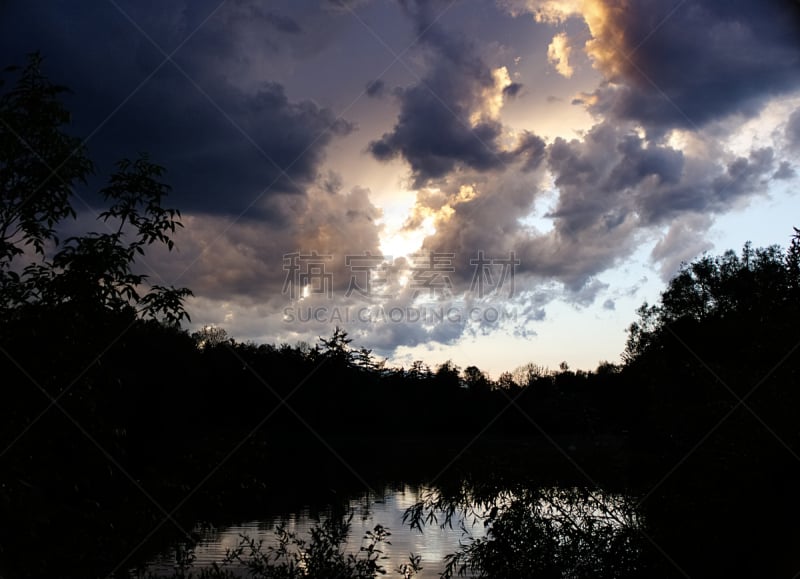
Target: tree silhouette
39,163
755,289
40,166
337,347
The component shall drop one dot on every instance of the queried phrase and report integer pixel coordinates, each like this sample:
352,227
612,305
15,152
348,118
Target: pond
573,527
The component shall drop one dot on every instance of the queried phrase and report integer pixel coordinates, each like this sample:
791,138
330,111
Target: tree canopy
756,288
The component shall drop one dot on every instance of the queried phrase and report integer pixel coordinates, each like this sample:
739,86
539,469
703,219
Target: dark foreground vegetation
117,427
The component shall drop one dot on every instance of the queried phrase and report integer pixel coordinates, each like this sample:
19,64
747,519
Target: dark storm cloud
376,88
592,175
531,149
227,146
225,151
574,259
434,139
665,67
445,119
715,192
705,60
612,185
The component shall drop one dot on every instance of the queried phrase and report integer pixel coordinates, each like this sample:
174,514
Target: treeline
714,362
158,390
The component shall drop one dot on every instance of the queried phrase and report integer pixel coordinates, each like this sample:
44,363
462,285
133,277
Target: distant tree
419,370
506,381
793,265
337,347
447,376
210,337
476,380
607,368
366,361
526,374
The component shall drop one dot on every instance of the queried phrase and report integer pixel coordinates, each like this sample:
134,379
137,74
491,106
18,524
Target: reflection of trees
536,531
321,555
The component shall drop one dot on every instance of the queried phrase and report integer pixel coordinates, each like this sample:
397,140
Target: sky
490,182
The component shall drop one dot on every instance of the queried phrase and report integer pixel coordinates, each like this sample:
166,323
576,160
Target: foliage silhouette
39,163
322,556
534,531
40,167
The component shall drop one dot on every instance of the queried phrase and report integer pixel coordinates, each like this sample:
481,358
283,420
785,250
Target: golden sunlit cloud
558,54
603,18
491,98
432,208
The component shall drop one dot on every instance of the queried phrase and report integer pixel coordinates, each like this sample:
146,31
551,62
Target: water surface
432,543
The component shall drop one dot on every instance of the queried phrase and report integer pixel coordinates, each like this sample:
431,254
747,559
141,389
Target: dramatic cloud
301,136
450,119
231,151
683,66
615,188
250,261
227,145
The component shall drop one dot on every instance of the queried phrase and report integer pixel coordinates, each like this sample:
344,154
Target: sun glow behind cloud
433,208
398,241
